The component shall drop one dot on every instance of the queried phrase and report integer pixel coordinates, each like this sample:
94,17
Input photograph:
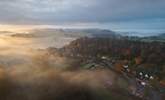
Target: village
141,79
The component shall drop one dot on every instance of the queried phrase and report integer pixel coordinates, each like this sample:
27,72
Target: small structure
143,83
146,76
104,57
141,74
151,77
125,66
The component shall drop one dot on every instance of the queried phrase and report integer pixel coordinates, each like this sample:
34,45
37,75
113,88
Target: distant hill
96,32
162,35
4,32
155,38
77,33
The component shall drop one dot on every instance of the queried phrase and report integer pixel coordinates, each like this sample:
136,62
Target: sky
132,15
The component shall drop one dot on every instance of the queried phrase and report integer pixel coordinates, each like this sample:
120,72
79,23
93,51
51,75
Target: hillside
139,55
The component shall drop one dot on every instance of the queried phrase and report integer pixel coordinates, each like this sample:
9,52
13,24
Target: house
125,66
104,57
151,77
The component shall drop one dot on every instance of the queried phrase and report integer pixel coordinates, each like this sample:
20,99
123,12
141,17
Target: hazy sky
115,14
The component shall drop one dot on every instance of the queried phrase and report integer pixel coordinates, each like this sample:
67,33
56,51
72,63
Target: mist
41,80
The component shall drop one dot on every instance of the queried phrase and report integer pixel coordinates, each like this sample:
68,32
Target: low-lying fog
34,39
19,48
27,73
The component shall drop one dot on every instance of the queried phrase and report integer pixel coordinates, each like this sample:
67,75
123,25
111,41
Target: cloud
67,11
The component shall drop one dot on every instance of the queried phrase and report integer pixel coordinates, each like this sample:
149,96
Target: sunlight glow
14,28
